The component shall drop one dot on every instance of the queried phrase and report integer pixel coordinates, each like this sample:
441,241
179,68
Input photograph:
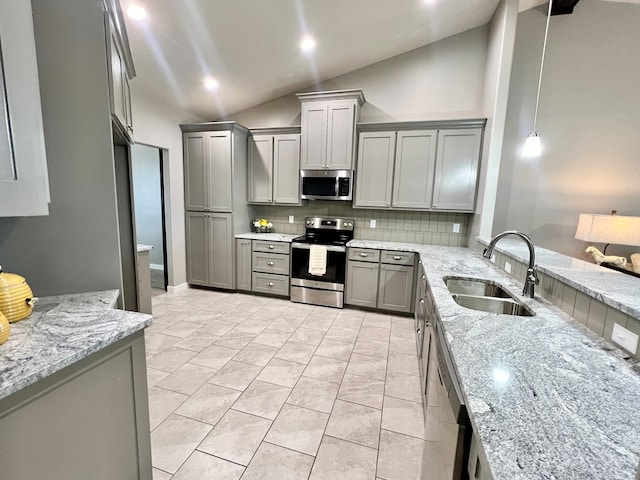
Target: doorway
149,208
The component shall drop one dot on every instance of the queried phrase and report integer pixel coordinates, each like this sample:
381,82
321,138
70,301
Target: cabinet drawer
269,283
364,254
271,263
272,247
398,258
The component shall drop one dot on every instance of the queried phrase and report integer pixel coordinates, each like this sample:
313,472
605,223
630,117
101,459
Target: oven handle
330,248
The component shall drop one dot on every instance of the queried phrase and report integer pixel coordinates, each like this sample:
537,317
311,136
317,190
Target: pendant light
532,145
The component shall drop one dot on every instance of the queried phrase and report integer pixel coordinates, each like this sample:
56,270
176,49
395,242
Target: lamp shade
616,229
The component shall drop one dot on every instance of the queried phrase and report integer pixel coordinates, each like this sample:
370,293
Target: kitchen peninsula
73,392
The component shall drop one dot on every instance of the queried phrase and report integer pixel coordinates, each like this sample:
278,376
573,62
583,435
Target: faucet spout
531,279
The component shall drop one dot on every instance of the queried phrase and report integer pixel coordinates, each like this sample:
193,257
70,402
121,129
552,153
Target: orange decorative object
16,297
5,328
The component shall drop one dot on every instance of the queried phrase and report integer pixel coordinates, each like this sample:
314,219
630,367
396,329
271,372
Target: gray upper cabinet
208,165
456,173
260,169
121,70
414,165
24,179
328,129
286,169
418,165
274,167
374,177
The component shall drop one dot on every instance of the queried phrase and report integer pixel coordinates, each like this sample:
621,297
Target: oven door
334,277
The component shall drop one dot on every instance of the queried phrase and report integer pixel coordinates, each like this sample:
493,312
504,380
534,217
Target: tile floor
250,387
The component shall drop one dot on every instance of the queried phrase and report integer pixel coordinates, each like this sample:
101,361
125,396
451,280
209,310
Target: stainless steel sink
476,287
504,306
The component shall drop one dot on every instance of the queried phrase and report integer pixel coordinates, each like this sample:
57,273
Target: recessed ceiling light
211,84
308,44
136,12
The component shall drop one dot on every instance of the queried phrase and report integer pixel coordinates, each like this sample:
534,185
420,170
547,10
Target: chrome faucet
532,276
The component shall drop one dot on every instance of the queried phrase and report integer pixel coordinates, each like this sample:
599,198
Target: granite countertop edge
62,330
270,237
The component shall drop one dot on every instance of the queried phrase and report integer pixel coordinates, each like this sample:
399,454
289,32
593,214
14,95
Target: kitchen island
73,393
547,398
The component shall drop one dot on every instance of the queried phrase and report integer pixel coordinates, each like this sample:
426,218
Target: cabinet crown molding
274,130
422,125
333,95
213,126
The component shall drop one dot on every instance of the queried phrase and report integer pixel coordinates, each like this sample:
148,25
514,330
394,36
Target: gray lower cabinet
362,284
243,264
144,282
210,249
395,288
456,173
273,174
89,420
380,279
270,266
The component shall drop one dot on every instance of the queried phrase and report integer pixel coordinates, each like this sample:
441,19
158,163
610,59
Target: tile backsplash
433,228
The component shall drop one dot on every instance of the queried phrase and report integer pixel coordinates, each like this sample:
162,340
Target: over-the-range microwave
326,184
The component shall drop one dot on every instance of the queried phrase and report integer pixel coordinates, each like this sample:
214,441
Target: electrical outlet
625,338
456,228
507,267
372,223
291,218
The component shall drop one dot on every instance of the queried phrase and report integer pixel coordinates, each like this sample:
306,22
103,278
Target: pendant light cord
544,49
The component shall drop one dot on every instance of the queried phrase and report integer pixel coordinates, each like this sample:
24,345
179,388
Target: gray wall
76,247
588,120
440,81
147,199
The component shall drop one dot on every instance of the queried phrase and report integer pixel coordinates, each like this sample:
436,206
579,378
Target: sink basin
476,287
504,306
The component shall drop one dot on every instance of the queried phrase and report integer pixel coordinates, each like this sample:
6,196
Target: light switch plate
507,267
625,338
291,218
456,228
372,223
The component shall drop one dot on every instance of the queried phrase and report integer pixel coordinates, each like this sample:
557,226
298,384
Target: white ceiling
252,46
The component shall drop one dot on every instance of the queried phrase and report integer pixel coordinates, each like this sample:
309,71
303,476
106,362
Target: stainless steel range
317,274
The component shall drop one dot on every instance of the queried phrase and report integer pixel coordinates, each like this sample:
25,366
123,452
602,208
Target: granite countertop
60,331
143,248
613,288
270,237
547,398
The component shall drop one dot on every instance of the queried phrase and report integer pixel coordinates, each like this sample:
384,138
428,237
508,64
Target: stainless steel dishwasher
447,420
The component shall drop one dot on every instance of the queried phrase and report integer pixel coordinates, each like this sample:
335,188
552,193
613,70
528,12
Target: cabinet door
413,175
243,264
260,169
220,250
395,288
456,173
197,248
340,135
117,72
314,135
286,169
24,181
361,284
374,176
195,171
219,171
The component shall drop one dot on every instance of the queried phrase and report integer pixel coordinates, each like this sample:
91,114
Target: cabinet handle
270,264
362,254
422,301
270,247
270,284
397,257
424,277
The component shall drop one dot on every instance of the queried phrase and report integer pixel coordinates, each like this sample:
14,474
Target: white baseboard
156,266
178,288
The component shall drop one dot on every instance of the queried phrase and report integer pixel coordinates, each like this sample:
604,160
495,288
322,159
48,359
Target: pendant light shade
533,144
